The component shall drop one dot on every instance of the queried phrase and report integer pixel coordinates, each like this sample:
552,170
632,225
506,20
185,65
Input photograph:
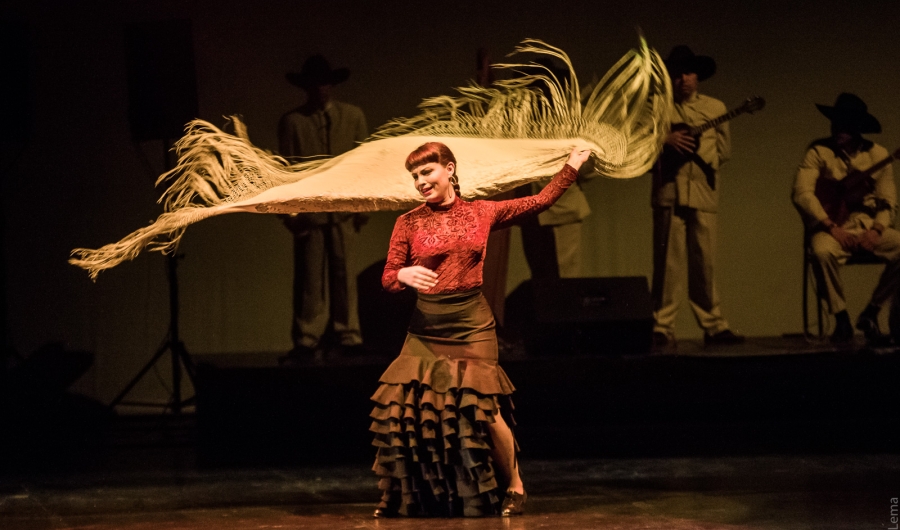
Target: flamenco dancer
443,412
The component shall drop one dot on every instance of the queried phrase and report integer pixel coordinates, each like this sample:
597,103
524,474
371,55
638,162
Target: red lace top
451,240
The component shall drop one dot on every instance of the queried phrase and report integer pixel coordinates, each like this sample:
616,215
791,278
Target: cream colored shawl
503,136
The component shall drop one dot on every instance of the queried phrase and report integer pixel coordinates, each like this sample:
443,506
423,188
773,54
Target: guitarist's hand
846,239
869,239
681,141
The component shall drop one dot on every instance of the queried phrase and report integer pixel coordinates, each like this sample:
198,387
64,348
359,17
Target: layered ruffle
430,422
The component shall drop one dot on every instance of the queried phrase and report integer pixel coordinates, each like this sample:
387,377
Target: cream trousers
828,256
685,238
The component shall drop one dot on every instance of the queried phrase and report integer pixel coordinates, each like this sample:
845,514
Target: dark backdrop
76,179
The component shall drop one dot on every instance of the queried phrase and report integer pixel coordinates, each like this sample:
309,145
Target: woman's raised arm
509,212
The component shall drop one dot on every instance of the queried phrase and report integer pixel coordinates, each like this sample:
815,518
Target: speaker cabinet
582,315
15,61
162,83
383,316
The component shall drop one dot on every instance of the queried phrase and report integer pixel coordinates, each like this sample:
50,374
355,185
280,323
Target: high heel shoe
513,504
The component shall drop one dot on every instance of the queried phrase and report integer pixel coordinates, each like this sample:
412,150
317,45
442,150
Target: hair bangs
429,152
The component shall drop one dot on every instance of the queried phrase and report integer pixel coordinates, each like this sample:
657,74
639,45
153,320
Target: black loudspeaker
582,315
162,83
383,316
15,105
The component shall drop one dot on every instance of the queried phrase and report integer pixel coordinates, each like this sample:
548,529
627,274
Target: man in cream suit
685,202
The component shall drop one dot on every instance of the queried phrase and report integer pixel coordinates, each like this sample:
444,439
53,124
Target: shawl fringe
509,134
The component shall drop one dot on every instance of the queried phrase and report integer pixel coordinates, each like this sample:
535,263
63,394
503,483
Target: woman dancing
443,410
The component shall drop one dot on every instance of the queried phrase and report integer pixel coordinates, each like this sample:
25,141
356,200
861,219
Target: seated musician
845,193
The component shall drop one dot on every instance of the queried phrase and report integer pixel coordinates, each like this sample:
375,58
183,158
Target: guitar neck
715,122
877,166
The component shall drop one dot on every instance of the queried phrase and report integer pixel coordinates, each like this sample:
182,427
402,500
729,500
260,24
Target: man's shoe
298,355
843,332
724,337
663,343
513,504
868,324
352,350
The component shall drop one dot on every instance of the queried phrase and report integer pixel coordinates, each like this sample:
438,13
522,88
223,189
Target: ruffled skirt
433,408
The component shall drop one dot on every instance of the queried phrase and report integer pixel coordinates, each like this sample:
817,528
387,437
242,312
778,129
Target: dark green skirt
433,408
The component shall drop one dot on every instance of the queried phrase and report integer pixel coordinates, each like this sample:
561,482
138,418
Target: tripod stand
173,344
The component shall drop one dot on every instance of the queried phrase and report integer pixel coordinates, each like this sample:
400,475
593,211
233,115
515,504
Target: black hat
681,60
849,109
553,69
317,71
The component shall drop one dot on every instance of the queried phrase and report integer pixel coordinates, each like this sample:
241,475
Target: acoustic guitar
840,198
672,159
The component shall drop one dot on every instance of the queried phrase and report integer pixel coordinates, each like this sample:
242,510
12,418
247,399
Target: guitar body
831,196
671,159
841,197
857,185
683,127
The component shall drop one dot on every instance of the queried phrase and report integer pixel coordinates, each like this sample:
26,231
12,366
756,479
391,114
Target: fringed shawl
502,136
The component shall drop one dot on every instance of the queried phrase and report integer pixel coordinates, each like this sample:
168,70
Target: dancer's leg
504,453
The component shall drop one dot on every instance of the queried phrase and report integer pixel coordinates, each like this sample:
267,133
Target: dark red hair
428,153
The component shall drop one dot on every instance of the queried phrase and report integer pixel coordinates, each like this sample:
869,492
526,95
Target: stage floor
839,492
774,434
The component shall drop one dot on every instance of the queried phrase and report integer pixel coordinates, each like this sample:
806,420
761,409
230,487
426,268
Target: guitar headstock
753,104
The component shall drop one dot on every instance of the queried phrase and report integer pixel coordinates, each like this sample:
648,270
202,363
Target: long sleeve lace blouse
451,240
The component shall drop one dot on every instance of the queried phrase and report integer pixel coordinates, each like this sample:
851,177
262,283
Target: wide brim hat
316,71
560,71
683,60
849,109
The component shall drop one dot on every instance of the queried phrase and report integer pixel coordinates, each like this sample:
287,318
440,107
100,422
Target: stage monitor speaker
582,315
162,83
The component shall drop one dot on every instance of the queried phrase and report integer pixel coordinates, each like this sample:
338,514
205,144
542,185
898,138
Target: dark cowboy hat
851,110
561,72
682,60
317,71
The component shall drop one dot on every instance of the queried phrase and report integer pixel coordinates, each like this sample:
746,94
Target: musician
847,211
324,289
685,200
551,240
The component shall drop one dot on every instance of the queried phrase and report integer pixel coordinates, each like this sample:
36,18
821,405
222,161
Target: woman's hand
578,157
417,277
